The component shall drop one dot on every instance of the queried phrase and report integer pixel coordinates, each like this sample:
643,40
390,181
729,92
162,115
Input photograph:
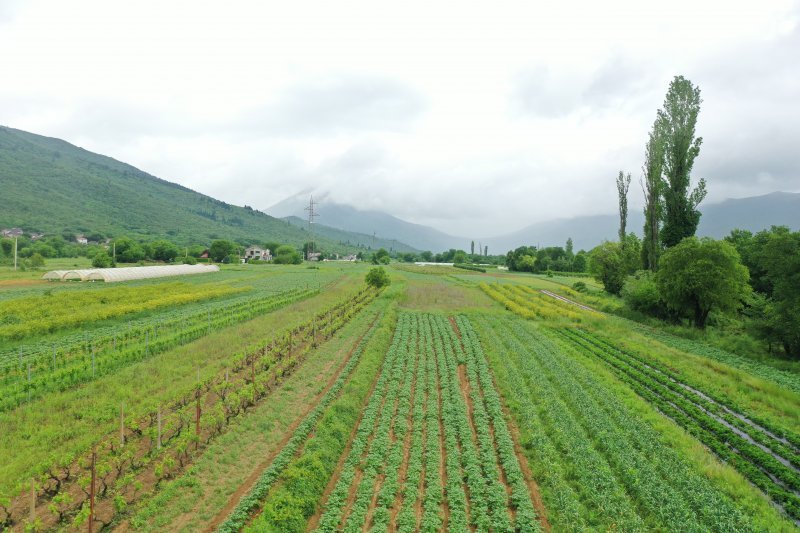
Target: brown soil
21,282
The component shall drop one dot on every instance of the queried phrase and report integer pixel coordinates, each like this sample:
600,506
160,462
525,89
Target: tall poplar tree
677,123
651,187
623,184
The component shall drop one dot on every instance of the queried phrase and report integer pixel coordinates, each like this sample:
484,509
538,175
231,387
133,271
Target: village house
11,233
258,253
81,239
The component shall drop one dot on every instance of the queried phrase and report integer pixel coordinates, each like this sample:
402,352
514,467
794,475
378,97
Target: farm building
128,273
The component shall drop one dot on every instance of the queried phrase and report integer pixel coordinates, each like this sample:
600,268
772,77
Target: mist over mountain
382,225
754,214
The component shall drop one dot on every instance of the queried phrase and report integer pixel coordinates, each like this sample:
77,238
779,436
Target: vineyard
453,400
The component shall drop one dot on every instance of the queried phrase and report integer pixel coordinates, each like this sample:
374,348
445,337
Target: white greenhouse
128,273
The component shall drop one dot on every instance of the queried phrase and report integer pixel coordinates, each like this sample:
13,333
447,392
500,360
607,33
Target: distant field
295,399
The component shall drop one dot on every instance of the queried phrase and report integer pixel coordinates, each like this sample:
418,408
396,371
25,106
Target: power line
312,214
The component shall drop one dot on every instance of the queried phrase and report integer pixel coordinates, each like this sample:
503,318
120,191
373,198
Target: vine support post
253,371
158,436
92,491
122,424
33,500
197,419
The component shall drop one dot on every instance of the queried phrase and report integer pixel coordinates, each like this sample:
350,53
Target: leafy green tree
426,256
701,275
580,262
287,255
677,122
381,257
101,260
569,249
377,277
641,293
164,250
607,265
128,250
781,259
220,249
36,261
460,257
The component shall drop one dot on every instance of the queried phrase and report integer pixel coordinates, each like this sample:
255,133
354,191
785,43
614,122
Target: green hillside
50,186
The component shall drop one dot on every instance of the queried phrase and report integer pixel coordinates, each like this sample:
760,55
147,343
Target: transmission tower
312,214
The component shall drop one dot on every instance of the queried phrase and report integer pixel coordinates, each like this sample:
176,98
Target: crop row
253,372
528,303
37,315
452,459
211,313
251,501
751,451
606,466
788,379
73,368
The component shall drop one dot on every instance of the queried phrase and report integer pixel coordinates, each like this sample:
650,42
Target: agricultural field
297,399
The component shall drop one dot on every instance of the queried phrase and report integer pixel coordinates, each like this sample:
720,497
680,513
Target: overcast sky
477,118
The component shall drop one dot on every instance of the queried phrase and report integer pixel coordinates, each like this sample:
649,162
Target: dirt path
567,300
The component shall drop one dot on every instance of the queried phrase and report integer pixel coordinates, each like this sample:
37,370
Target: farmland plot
430,452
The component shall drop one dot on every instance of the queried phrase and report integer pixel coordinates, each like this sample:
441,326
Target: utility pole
312,214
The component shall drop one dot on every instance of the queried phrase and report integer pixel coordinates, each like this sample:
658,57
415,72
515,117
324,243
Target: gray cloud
544,93
336,104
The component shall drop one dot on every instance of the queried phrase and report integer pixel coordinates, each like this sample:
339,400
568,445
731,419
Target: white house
80,239
258,253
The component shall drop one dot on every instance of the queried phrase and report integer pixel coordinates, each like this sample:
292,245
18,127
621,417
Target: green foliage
611,262
36,261
189,260
381,257
287,255
220,249
580,286
101,260
163,250
699,275
377,277
640,292
677,122
128,250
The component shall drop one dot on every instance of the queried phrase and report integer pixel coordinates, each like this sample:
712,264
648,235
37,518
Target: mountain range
753,213
48,185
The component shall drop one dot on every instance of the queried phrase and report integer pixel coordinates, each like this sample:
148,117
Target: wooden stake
253,369
197,419
158,438
33,500
91,491
122,424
